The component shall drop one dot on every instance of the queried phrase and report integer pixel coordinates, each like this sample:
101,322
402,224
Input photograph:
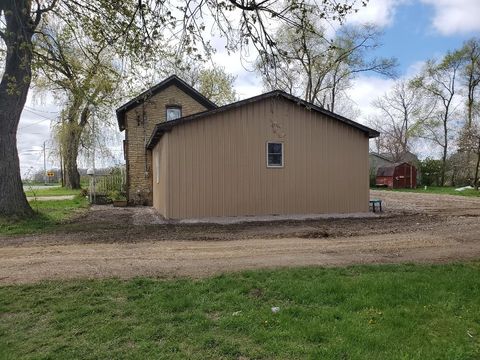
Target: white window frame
283,154
173,107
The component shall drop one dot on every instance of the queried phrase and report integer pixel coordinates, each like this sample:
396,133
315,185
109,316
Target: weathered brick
139,124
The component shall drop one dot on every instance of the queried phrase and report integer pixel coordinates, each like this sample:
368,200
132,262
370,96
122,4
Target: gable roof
390,169
172,80
163,127
382,157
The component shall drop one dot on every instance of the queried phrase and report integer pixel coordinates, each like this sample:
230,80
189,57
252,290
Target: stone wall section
139,124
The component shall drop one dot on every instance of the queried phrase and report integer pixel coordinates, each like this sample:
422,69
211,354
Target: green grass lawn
53,191
361,312
49,214
448,190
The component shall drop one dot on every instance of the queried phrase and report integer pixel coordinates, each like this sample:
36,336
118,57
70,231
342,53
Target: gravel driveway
107,243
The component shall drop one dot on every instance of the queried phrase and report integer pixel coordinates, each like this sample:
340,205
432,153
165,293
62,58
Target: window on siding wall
274,154
174,112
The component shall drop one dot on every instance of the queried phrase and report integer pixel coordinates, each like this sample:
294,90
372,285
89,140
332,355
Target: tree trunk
476,180
13,95
444,167
72,176
445,148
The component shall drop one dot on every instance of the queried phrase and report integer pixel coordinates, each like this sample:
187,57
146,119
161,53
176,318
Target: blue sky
411,37
415,30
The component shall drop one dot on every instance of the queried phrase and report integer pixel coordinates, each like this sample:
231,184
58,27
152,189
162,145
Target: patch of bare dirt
107,243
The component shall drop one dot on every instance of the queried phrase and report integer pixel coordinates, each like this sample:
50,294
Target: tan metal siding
217,165
160,163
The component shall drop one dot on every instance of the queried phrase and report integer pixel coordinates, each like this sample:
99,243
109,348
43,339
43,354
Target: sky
414,31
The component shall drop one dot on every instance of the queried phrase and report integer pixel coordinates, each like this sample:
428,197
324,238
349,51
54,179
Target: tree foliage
431,170
81,73
217,85
209,78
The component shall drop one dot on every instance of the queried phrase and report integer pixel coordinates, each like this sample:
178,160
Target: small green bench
373,203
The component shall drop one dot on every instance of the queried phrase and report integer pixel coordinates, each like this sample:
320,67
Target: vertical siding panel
180,193
217,166
312,173
323,164
168,178
220,170
197,176
185,174
316,160
173,173
207,164
332,152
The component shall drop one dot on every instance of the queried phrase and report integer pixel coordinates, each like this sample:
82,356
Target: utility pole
44,163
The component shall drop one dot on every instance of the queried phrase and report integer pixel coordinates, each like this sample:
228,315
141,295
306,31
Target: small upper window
174,112
275,154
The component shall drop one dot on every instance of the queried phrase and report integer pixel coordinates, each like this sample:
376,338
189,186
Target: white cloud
377,12
455,16
366,89
248,83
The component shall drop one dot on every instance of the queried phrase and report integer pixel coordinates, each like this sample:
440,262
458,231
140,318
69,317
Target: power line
37,122
35,113
44,111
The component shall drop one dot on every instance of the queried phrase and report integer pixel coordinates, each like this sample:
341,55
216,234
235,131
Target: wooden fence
104,185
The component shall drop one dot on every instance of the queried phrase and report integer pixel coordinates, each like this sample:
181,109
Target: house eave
141,98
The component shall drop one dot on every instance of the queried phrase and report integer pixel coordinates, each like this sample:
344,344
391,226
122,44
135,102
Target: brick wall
140,122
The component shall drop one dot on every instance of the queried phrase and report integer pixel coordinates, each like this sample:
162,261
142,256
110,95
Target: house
396,176
269,154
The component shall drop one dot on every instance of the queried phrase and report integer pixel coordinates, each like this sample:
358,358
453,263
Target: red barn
396,176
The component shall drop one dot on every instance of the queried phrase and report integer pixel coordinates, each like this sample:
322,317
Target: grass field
49,214
447,190
362,312
53,191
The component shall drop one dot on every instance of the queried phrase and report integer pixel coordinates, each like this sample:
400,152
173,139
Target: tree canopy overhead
135,30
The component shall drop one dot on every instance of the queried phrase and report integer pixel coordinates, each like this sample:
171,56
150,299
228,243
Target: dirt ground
107,242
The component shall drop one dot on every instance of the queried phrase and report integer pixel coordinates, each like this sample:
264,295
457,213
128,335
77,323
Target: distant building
397,176
378,160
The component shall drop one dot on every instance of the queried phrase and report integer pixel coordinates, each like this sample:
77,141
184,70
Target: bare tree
469,141
438,83
318,69
401,114
470,52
